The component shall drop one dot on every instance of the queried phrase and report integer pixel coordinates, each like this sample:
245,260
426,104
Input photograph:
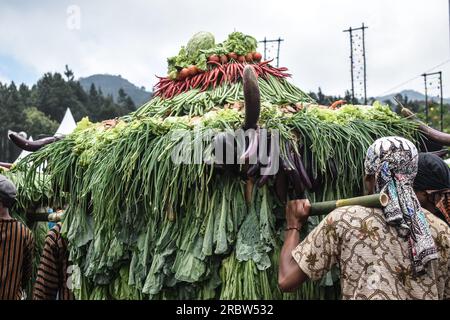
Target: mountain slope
412,95
111,84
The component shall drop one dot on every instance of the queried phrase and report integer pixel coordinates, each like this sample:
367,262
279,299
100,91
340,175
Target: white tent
67,125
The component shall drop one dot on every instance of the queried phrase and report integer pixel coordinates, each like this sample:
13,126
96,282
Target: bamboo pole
372,201
43,216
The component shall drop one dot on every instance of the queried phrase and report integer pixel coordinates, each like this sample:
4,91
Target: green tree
37,124
125,102
69,74
52,95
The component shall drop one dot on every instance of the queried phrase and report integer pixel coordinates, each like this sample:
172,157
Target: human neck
429,206
4,214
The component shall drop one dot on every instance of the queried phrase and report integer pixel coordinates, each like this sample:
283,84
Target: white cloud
4,79
134,38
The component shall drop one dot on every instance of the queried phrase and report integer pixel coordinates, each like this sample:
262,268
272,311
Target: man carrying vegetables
16,247
398,252
432,185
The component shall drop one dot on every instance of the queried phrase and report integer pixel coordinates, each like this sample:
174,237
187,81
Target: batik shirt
374,260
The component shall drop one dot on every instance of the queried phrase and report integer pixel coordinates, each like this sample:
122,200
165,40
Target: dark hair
7,202
432,174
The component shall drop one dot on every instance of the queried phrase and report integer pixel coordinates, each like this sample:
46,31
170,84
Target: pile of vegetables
201,49
141,226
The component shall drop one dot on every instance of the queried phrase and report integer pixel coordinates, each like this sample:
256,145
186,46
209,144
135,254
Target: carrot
214,58
337,103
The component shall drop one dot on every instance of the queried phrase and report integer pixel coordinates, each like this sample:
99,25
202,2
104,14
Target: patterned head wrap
393,162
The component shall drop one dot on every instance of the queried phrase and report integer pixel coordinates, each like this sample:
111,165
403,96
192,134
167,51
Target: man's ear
369,184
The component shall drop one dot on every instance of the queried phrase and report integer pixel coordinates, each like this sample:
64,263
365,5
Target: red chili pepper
216,76
171,91
189,83
196,80
206,82
213,62
265,62
233,73
241,70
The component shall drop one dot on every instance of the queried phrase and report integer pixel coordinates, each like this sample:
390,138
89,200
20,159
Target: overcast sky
133,38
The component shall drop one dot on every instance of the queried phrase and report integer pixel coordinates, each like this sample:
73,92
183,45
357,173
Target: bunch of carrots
216,75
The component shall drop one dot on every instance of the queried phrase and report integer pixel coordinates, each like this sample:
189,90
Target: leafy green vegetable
199,41
240,43
182,60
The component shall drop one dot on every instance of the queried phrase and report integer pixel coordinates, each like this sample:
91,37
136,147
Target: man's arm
290,276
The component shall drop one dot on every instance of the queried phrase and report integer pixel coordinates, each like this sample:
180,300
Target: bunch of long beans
195,102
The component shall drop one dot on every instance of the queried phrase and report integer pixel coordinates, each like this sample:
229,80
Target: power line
412,79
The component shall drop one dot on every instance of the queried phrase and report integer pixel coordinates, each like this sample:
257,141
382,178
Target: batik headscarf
393,162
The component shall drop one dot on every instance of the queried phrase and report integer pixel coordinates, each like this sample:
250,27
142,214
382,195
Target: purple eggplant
252,149
302,171
281,186
251,97
253,170
6,165
27,145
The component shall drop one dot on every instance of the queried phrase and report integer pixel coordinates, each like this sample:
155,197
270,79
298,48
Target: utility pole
359,33
441,91
267,47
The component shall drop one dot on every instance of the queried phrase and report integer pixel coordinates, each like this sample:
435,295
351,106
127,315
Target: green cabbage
200,41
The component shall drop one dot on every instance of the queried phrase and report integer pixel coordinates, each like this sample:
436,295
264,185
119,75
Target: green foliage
37,123
240,43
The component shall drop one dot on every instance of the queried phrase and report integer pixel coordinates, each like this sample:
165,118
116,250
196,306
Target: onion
233,56
257,56
214,58
223,59
249,57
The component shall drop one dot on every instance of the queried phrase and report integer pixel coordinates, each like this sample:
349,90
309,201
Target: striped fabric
16,256
51,280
